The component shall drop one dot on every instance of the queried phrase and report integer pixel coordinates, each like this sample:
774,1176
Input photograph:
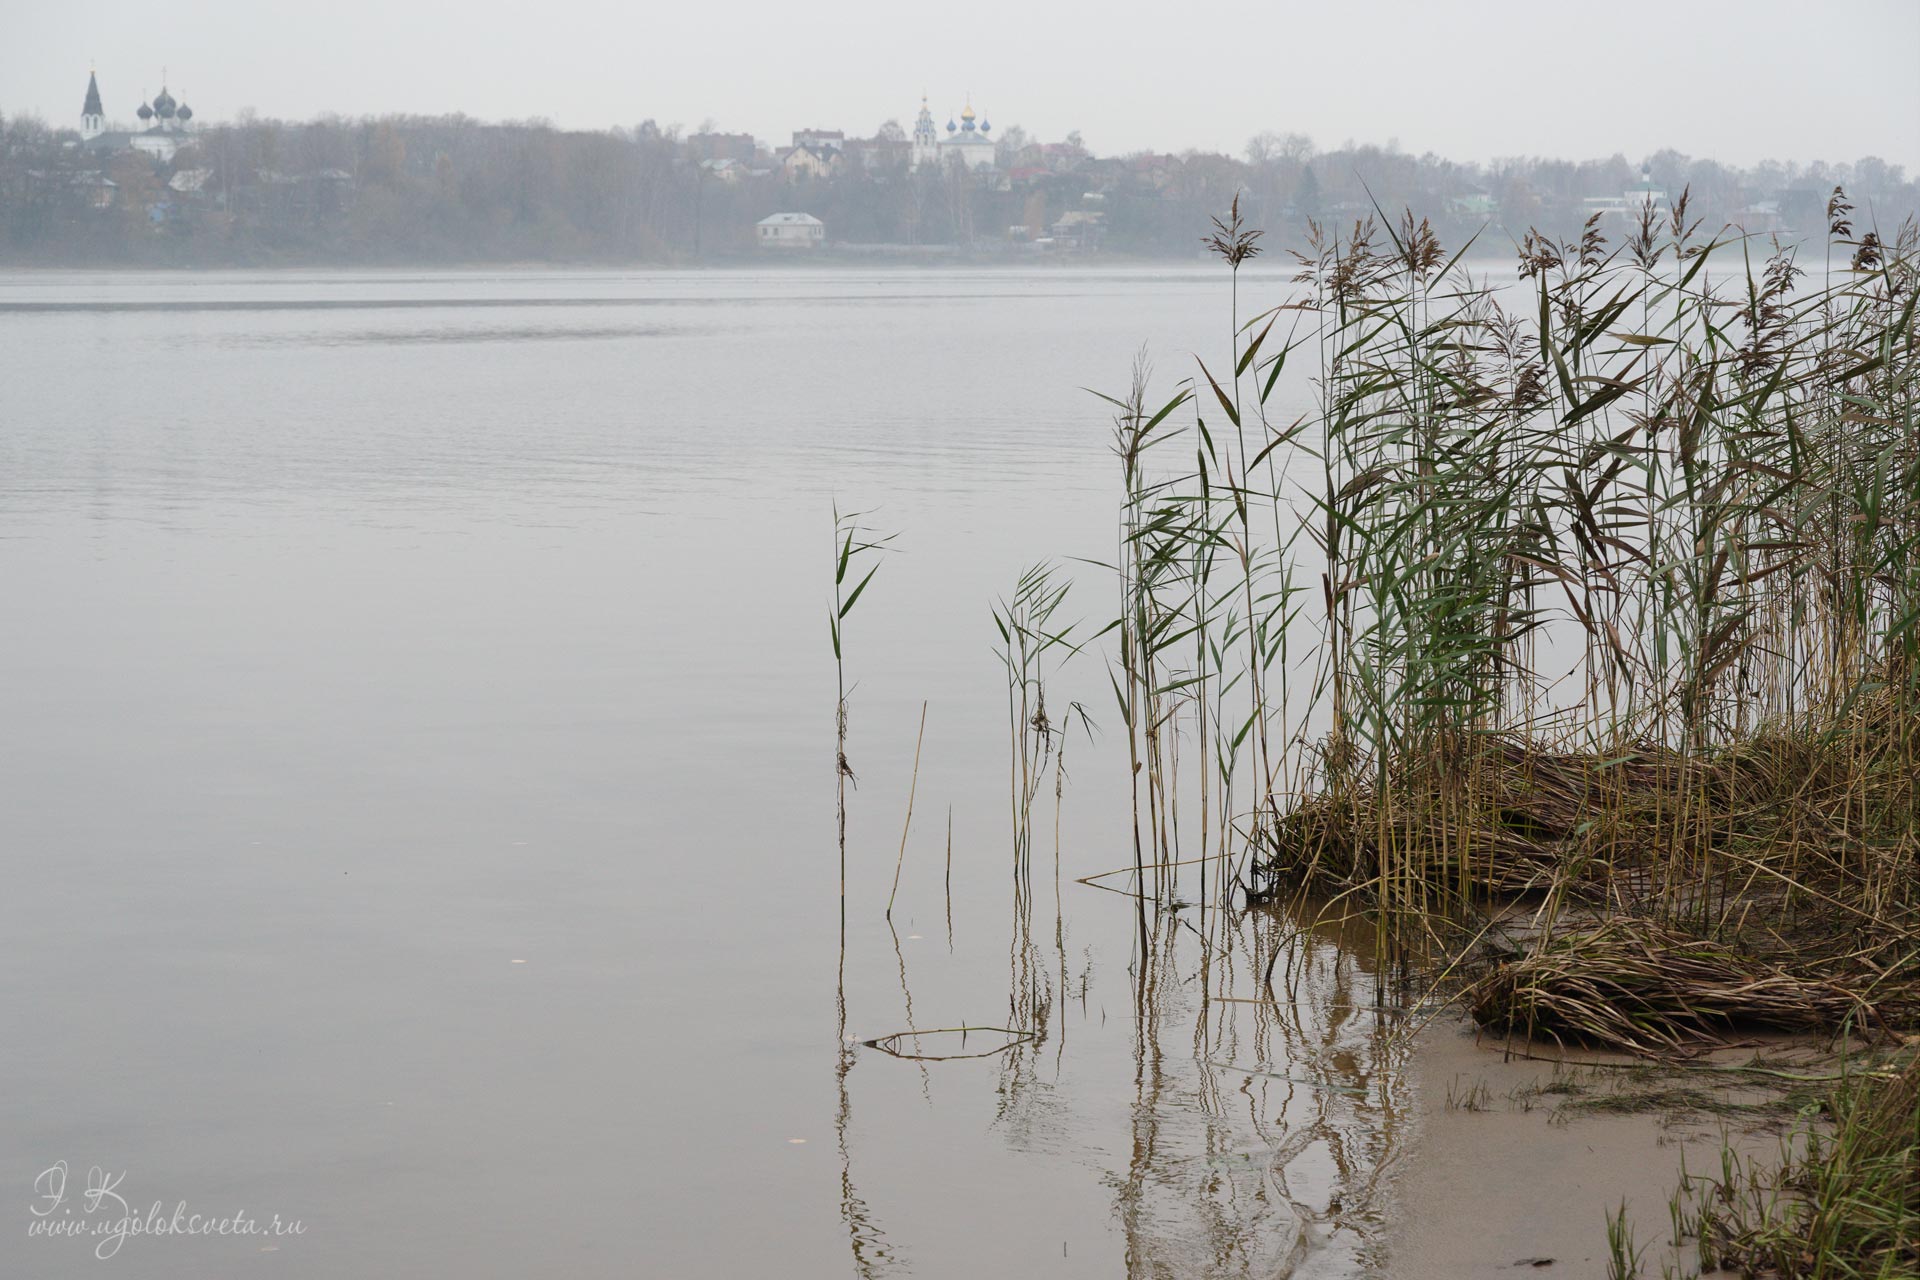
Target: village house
1631,204
723,170
806,163
1077,229
1474,203
97,188
1761,217
189,182
790,231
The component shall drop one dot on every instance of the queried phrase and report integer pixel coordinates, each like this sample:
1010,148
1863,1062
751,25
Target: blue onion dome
145,112
184,113
986,126
164,105
952,127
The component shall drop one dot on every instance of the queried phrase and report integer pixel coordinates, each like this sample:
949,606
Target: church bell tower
926,142
93,120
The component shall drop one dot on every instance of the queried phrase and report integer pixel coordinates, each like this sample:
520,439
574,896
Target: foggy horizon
592,67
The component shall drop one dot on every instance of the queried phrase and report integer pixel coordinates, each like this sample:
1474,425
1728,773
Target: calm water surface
419,805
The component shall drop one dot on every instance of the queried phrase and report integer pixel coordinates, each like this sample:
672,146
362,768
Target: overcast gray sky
1734,80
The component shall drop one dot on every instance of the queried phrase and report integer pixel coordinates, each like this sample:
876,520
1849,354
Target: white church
165,124
967,143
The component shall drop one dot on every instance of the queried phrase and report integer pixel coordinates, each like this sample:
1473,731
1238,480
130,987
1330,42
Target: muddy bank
1515,1164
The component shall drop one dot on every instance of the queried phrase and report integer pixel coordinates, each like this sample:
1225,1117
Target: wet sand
1502,1179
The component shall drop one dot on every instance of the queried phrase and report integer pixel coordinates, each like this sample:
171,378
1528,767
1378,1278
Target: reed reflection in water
1267,1096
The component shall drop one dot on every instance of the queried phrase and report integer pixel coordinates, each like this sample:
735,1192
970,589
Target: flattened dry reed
1638,986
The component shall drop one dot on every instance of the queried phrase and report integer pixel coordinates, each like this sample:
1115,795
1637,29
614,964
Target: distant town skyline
1739,82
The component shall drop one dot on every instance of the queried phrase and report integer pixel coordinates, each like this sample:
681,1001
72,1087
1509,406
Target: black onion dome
164,105
145,112
184,113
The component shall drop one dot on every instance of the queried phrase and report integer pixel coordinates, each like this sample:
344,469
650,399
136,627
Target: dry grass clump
1639,986
1494,815
1831,813
1767,885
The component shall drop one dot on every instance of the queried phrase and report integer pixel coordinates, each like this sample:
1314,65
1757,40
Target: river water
420,811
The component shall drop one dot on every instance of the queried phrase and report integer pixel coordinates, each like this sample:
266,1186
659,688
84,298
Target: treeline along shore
452,190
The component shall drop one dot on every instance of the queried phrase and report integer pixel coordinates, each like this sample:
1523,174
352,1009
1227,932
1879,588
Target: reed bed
1601,590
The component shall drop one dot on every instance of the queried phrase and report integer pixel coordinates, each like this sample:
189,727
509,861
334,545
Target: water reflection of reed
1266,1099
872,1255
